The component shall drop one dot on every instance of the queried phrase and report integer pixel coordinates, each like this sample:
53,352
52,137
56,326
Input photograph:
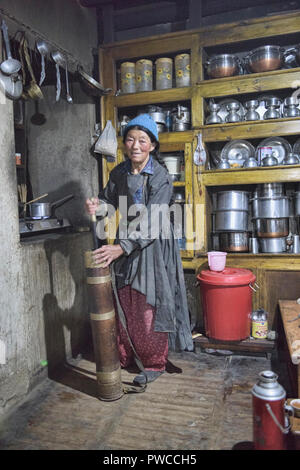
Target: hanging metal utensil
68,96
32,90
93,87
9,66
11,85
44,50
59,61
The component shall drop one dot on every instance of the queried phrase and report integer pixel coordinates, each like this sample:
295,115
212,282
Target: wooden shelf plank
251,83
276,25
155,96
251,130
250,344
280,174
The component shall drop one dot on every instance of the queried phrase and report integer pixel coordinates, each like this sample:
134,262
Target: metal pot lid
280,147
237,151
229,276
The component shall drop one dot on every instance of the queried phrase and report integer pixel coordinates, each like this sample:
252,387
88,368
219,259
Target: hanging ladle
9,66
59,61
44,50
68,96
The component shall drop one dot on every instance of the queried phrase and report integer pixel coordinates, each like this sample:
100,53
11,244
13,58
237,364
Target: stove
32,226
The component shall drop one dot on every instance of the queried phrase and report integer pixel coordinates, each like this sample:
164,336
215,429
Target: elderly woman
148,270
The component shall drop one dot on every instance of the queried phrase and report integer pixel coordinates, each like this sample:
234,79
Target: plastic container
227,303
182,70
128,77
216,260
144,75
164,73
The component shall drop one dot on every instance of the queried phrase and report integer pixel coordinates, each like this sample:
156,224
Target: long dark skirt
151,346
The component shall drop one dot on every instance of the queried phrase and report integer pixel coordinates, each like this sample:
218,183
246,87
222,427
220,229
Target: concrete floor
203,402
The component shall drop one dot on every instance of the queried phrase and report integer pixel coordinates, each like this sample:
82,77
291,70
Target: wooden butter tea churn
103,323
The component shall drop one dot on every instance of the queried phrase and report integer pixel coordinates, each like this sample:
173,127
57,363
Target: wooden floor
203,402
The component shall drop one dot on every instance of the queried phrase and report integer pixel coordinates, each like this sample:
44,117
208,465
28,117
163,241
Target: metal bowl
264,58
222,65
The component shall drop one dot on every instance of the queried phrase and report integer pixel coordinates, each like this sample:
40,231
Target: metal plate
237,151
223,110
280,147
296,147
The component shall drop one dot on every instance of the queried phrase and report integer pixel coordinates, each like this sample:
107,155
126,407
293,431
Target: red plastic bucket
227,303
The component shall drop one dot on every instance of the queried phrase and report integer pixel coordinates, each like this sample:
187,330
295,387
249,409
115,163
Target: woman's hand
107,254
91,205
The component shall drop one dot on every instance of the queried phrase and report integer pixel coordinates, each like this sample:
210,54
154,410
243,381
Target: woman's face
138,147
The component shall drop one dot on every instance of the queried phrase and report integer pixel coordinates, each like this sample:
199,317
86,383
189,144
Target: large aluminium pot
234,242
272,245
270,207
44,210
271,228
237,200
222,65
264,58
231,221
269,190
297,203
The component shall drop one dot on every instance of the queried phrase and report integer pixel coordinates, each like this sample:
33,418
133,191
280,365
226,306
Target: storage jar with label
128,77
260,324
182,70
164,73
144,75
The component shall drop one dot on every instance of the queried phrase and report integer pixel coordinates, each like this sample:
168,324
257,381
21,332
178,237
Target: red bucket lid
229,276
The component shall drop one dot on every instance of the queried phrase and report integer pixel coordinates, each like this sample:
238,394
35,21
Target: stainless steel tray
280,147
237,151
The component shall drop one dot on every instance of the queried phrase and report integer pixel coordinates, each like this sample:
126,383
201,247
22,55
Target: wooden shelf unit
269,269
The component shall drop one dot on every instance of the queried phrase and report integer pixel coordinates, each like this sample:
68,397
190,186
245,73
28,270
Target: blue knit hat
146,121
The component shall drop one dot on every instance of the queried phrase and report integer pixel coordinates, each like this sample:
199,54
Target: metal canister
164,73
182,70
128,77
260,324
268,404
144,75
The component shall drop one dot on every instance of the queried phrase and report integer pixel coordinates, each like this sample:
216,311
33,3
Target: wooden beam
195,14
108,23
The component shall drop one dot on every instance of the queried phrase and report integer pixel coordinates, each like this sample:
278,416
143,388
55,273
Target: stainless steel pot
44,210
270,190
237,200
231,221
264,58
158,117
272,245
180,126
271,228
270,207
222,65
234,241
297,203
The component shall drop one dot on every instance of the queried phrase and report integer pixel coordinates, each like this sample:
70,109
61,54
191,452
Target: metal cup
253,245
296,244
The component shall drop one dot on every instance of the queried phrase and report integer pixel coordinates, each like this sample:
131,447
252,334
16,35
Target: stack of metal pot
158,115
230,221
271,212
181,118
296,198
